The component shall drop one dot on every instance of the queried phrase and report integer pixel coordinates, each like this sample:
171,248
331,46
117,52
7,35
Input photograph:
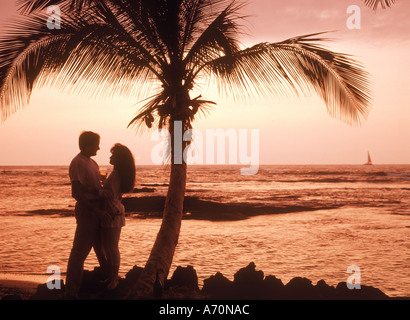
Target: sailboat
369,160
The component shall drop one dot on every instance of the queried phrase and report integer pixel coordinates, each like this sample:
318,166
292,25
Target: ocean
331,217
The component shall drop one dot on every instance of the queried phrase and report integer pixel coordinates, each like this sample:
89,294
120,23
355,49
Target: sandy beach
13,288
22,285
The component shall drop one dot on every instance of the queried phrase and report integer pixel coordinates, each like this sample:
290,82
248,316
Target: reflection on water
368,226
317,245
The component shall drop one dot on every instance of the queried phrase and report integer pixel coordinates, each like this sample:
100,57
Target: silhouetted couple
99,212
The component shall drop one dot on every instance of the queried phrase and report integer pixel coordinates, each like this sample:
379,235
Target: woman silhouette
120,181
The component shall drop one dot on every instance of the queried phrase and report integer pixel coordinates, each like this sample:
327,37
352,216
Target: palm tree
108,47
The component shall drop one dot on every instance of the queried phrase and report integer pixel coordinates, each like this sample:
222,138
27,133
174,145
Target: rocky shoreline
195,208
248,284
151,207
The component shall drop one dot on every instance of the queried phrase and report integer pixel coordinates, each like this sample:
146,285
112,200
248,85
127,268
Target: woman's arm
82,196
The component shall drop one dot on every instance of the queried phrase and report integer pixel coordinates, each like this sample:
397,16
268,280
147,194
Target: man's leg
84,238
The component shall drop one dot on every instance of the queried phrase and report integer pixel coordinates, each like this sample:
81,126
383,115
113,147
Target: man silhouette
85,185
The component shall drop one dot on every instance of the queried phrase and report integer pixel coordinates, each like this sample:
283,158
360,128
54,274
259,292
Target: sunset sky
292,131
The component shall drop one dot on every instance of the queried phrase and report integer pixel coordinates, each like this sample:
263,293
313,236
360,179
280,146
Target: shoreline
20,284
24,289
248,284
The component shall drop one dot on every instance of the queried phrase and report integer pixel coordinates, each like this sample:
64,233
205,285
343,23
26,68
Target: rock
144,204
92,282
324,291
218,287
52,290
300,288
273,288
364,293
124,285
248,282
132,276
12,297
183,277
248,274
143,190
94,288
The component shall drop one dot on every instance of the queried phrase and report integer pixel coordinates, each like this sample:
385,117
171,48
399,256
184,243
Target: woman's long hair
125,166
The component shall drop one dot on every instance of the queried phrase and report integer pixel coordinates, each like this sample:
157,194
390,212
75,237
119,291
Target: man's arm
78,193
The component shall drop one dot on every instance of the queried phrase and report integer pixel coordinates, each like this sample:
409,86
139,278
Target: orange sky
292,131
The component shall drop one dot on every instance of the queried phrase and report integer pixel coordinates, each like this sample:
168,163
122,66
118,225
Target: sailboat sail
369,160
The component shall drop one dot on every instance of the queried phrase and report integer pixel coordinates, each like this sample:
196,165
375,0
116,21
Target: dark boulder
218,287
300,288
52,290
132,276
93,282
324,291
248,283
183,277
273,288
364,293
12,297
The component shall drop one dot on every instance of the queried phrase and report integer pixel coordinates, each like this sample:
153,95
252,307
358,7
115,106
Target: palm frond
29,6
192,14
111,47
374,4
86,56
297,66
219,37
157,112
157,106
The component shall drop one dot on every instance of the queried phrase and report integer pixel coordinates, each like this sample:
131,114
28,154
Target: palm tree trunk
162,253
